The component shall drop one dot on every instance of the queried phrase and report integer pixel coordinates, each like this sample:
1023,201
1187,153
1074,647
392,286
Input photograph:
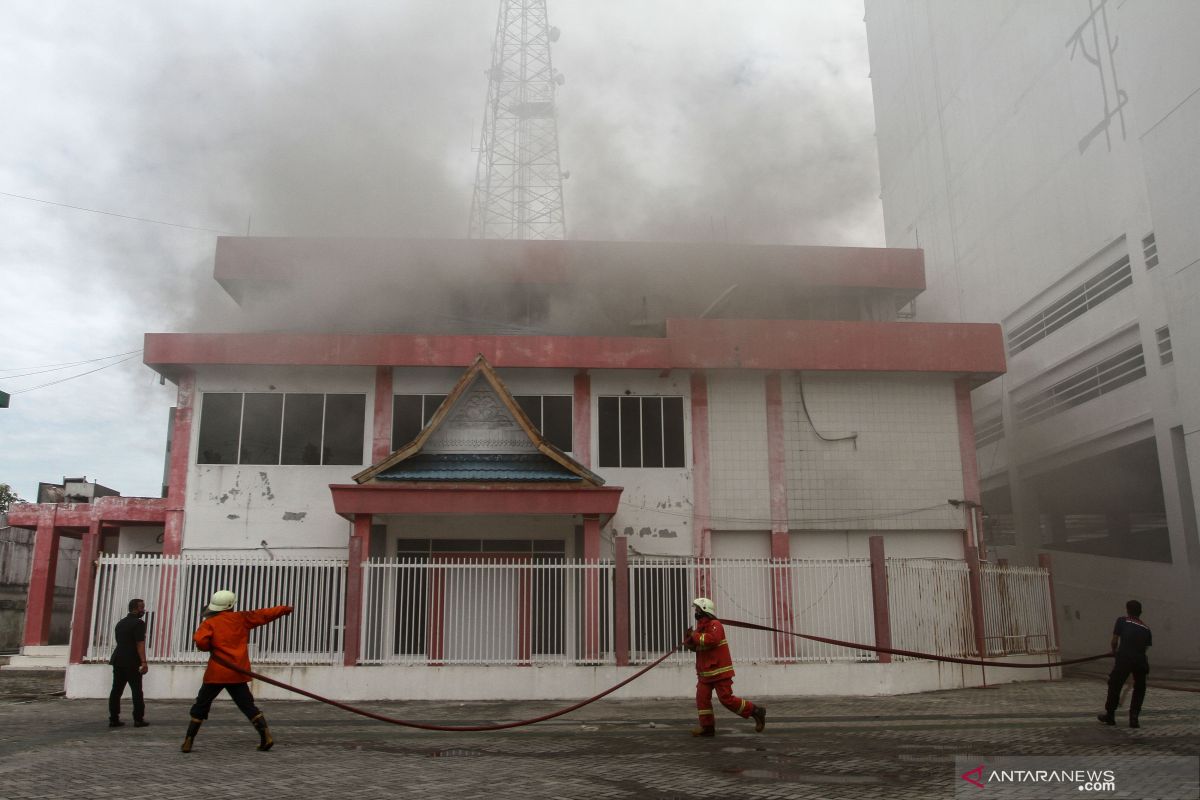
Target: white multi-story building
1046,157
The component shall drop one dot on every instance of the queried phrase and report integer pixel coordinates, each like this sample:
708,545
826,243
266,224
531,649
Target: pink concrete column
591,590
39,603
81,618
879,598
970,467
701,480
781,592
381,425
358,550
581,435
976,603
621,599
181,441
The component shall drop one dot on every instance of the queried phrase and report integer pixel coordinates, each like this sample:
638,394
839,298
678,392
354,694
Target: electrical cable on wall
804,405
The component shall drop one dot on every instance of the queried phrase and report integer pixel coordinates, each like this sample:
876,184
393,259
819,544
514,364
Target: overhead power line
115,214
79,375
44,368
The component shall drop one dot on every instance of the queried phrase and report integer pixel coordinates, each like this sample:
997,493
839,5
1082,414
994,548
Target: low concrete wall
170,681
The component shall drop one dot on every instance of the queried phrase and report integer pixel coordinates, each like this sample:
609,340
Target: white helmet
222,600
705,605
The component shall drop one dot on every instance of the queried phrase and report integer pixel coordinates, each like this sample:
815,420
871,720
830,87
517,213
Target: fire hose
560,712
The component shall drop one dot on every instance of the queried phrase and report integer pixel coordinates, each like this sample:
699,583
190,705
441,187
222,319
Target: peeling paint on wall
233,516
294,516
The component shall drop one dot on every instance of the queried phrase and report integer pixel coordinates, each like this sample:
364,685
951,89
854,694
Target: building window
550,414
1150,251
1163,337
411,413
1073,304
262,428
1087,384
989,431
640,431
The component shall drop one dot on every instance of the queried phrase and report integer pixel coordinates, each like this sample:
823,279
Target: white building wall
656,504
899,471
737,436
238,507
1021,145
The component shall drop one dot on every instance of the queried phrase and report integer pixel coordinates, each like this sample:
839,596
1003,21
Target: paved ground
896,747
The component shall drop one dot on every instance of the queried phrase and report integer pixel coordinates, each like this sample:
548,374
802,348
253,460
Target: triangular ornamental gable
479,423
479,417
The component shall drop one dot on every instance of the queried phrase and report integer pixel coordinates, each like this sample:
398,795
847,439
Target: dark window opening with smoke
640,431
268,429
1108,505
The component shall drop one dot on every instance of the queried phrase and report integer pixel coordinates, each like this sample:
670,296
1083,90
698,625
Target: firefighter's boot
264,733
193,729
759,714
703,730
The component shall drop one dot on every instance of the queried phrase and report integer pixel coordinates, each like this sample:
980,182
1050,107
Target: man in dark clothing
129,665
1130,638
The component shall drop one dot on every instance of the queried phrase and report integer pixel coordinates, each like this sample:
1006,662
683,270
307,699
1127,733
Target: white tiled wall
899,473
737,418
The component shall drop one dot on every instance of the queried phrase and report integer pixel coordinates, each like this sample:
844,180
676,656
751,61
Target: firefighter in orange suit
714,671
226,633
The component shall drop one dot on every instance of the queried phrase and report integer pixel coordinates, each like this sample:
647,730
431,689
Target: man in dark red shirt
714,671
1130,638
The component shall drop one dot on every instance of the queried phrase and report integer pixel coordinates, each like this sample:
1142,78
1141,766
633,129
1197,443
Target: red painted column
81,618
381,427
358,551
970,467
781,592
39,602
621,599
181,442
581,436
976,603
1045,562
591,590
701,475
879,598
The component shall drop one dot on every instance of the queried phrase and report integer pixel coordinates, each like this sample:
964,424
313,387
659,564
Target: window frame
665,430
279,434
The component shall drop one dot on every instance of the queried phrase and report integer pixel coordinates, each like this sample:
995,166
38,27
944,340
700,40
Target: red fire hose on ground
748,625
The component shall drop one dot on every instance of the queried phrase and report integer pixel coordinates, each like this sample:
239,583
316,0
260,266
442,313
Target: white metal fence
176,589
825,598
929,604
486,611
508,611
1017,613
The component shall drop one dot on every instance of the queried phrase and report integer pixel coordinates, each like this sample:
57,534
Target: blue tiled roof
478,467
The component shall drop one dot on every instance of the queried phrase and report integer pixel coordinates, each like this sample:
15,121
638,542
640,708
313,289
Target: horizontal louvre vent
1163,336
989,431
1150,251
1074,303
1111,373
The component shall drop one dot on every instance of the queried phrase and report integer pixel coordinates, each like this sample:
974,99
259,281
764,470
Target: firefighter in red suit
714,671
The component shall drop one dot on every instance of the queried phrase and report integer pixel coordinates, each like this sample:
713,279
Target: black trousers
240,692
1122,669
123,675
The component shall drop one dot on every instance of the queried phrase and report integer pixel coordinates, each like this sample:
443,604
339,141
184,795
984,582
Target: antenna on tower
518,178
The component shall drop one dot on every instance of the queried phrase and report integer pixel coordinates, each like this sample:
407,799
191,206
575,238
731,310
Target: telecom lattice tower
518,180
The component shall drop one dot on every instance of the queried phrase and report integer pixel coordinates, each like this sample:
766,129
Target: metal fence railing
929,603
176,589
517,610
826,598
486,611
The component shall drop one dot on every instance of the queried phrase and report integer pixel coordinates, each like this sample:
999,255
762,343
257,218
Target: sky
138,132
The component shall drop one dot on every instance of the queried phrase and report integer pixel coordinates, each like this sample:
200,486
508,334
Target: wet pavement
848,747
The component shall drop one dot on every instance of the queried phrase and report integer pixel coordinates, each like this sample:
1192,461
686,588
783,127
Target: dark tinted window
640,432
345,416
673,453
631,431
261,416
302,429
220,421
406,419
558,421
